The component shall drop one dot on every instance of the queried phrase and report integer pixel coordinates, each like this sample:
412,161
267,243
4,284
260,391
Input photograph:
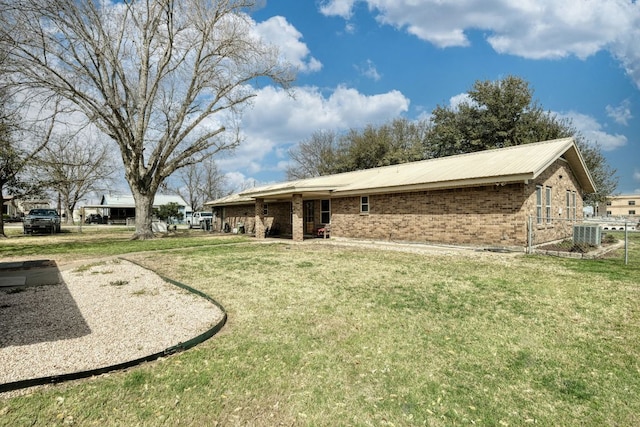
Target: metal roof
500,166
126,200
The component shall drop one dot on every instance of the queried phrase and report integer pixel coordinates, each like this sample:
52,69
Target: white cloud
286,37
237,181
462,98
534,29
592,131
370,71
279,119
636,175
620,114
342,8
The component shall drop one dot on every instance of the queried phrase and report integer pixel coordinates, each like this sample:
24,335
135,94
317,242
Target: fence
557,234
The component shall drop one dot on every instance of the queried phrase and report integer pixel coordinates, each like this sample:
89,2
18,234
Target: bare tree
20,141
162,78
315,156
73,167
199,183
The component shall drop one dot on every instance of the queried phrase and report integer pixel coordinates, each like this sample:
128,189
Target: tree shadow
36,305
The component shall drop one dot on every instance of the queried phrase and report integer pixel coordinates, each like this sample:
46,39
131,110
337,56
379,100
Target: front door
309,218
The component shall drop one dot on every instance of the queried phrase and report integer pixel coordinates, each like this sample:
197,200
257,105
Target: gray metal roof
126,200
500,166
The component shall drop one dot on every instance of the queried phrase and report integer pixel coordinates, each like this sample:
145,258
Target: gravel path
101,314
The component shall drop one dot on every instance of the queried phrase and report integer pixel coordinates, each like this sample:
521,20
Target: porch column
259,218
297,226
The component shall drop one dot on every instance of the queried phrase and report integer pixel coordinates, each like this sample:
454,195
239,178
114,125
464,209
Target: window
364,204
265,209
325,211
571,205
548,203
632,212
539,204
632,202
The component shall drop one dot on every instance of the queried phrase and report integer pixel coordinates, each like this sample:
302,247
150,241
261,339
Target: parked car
46,220
95,219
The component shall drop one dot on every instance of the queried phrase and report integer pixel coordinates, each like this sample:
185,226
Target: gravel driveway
100,314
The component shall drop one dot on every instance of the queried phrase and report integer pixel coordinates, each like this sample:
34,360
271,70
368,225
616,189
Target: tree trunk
68,208
2,235
144,209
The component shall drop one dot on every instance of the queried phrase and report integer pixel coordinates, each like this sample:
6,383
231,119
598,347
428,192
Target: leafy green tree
398,141
498,114
503,113
169,211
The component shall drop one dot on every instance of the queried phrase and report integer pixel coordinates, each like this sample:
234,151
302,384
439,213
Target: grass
326,336
106,242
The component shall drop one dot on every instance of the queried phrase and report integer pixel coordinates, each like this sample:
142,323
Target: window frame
539,204
326,212
547,205
365,205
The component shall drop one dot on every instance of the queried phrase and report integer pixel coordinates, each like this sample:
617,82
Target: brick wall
238,215
560,178
470,216
492,215
278,214
489,215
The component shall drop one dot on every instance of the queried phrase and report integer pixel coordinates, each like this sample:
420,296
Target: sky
367,62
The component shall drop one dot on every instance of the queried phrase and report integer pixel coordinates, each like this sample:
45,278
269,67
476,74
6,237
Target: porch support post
259,219
297,229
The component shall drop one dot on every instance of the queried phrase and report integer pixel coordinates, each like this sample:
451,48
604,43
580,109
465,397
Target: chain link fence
577,237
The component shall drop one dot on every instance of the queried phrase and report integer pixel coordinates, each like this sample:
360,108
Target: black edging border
55,379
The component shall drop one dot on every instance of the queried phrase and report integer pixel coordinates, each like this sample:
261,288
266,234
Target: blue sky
369,61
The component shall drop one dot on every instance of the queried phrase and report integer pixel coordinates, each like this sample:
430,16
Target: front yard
327,335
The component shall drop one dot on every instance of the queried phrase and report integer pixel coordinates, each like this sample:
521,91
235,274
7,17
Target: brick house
488,198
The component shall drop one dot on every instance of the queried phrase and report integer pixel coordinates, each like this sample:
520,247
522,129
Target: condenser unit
589,234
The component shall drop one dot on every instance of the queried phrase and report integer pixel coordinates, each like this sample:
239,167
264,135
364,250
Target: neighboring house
16,208
627,205
119,208
487,198
10,208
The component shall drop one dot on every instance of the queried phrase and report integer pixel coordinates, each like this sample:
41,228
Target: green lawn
330,336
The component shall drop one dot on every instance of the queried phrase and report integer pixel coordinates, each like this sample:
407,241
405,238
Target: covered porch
294,215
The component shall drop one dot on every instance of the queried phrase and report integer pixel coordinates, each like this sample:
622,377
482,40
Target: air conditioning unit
589,234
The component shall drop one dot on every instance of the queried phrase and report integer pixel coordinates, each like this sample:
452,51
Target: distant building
627,205
120,208
14,207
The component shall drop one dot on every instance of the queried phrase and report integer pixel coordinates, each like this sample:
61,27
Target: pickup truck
197,219
46,220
